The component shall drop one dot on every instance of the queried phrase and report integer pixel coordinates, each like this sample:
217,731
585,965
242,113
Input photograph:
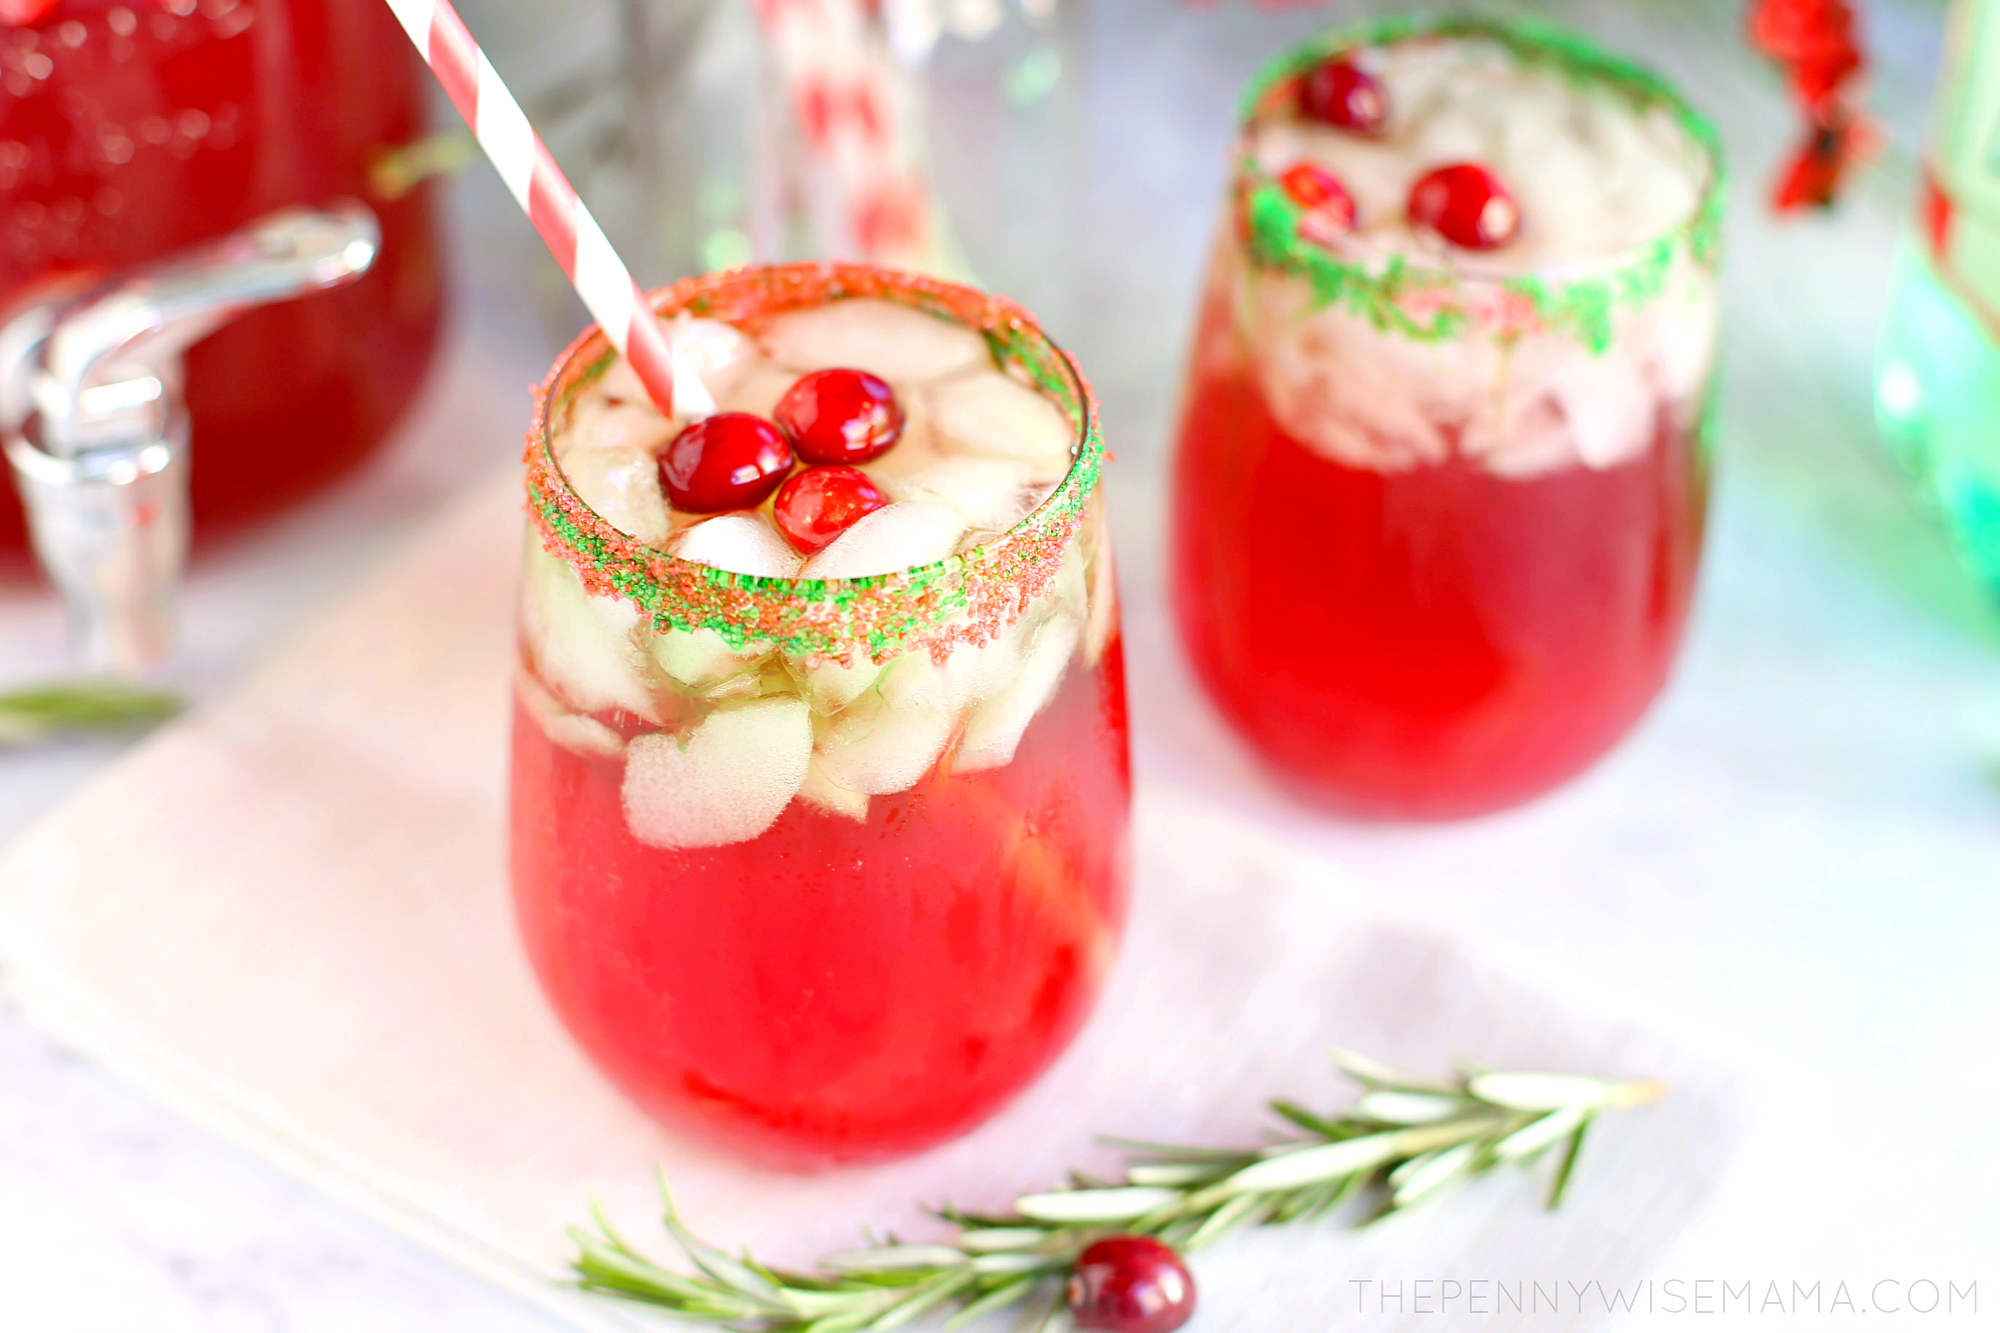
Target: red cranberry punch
820,781
1443,461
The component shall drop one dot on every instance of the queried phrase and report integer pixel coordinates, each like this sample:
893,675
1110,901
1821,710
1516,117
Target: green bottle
1937,384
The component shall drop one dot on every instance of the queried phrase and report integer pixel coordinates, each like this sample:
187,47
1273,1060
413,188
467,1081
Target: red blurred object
731,460
1467,205
820,503
1342,94
1819,45
1130,1284
840,416
131,131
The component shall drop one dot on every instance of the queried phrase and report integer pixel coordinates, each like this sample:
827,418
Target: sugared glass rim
968,597
1432,302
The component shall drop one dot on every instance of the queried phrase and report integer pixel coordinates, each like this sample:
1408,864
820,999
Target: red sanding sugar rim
969,597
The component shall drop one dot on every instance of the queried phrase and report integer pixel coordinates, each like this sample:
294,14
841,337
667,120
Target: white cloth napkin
287,916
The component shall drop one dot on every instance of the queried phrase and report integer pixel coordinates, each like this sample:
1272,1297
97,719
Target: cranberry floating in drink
820,797
1443,465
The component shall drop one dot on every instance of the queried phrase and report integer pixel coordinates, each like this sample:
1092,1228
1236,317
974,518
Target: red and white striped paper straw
538,185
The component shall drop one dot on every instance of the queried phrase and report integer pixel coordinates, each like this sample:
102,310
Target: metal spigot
93,421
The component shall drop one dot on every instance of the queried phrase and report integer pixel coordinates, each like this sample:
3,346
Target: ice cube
902,345
756,388
726,780
701,659
621,484
976,671
583,646
894,537
717,353
989,493
605,425
994,415
741,544
993,730
572,731
890,736
823,793
831,686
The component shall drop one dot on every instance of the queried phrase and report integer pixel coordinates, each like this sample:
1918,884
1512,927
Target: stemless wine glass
807,971
1439,506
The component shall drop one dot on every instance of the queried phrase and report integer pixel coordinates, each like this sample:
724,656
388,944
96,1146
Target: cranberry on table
1130,1284
820,503
1313,187
731,460
1467,205
840,416
1340,93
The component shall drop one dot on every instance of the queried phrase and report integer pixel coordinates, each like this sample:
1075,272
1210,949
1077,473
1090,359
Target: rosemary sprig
1405,1139
42,711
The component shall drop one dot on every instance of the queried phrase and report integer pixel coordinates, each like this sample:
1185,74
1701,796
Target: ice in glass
820,780
1443,462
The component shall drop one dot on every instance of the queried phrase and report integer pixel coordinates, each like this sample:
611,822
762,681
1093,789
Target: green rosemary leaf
1306,1120
997,1299
40,712
940,1290
1536,1092
1540,1133
1120,1204
886,1258
1560,1185
1416,1136
1390,1107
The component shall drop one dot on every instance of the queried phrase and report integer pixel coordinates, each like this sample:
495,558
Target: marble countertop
1798,853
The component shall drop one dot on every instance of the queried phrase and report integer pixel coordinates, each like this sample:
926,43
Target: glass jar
1437,519
826,869
132,131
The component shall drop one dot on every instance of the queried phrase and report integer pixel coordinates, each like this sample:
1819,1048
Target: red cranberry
1342,94
1467,205
839,416
1131,1284
1330,208
822,502
731,460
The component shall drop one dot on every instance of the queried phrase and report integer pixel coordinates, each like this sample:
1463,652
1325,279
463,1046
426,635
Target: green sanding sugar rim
1429,303
969,597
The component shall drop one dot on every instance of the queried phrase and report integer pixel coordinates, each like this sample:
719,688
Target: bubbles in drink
724,780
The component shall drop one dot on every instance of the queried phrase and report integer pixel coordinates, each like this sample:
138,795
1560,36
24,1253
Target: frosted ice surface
583,646
994,729
895,537
991,494
890,736
902,345
756,388
832,686
621,484
823,793
602,424
572,731
701,658
740,543
973,672
726,780
996,416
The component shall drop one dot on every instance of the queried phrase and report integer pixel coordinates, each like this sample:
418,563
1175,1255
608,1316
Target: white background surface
1798,854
